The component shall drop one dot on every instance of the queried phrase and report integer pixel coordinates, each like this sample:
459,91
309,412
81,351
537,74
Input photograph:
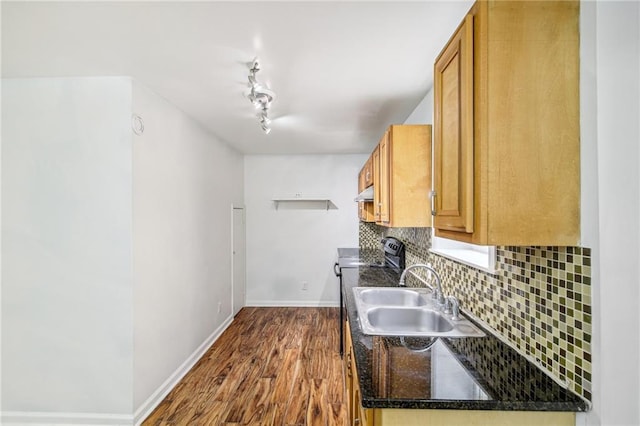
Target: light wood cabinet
453,148
365,179
383,183
411,417
402,177
358,416
506,130
347,370
368,172
365,211
376,183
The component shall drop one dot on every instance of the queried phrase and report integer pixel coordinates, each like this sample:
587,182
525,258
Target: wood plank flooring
272,366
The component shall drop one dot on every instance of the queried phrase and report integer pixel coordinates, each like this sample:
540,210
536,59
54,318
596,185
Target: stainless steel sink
403,320
393,311
392,296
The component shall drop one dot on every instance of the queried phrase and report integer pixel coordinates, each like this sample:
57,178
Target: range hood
366,195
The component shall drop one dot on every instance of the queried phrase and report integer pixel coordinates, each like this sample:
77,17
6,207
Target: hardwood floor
272,366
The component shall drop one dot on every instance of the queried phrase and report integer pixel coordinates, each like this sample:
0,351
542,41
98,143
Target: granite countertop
479,373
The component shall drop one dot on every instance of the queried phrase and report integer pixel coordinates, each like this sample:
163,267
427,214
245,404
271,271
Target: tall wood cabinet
506,130
453,148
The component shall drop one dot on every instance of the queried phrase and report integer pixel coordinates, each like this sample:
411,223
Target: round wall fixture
137,124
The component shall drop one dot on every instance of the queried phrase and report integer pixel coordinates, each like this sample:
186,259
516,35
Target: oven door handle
336,271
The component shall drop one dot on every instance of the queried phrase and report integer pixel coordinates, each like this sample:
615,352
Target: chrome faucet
439,295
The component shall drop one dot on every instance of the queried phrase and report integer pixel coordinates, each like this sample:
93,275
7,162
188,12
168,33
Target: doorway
238,254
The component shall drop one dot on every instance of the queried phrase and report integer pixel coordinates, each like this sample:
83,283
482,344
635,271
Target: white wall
116,255
616,294
184,184
589,232
288,246
67,339
423,112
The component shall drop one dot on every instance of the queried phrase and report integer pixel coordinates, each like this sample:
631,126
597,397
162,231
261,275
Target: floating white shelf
310,203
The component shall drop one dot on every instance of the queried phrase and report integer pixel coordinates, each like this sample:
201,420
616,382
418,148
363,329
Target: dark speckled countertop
480,373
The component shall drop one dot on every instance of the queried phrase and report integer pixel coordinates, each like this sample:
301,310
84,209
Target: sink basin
402,320
399,311
392,297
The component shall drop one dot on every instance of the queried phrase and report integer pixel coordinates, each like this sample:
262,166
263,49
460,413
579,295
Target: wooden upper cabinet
453,145
507,139
383,148
365,177
404,177
376,183
365,180
367,172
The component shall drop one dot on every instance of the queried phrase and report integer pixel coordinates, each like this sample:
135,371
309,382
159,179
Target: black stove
394,253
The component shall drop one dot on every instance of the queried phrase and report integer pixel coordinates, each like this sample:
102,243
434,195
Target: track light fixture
260,96
264,119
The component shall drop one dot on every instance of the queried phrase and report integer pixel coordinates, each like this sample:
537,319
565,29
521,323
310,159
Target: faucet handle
452,306
440,298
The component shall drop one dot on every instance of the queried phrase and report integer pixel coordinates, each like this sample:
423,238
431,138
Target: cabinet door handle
432,196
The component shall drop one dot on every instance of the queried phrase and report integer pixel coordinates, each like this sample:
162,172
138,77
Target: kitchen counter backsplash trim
539,300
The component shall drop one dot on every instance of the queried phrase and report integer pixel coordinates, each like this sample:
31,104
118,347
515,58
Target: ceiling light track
260,96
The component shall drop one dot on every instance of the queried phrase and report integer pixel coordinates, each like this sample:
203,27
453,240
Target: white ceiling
342,71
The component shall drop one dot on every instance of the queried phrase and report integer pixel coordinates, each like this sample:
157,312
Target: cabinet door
347,370
384,178
454,138
358,415
368,172
376,184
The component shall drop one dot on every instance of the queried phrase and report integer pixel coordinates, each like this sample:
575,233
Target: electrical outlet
305,285
219,307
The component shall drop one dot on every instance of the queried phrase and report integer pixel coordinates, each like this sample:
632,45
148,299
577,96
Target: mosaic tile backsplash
539,299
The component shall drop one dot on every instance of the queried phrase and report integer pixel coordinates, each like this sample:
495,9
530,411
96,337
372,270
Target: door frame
233,277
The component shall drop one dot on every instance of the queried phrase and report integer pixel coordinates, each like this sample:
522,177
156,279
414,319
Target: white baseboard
16,418
156,398
42,418
292,303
